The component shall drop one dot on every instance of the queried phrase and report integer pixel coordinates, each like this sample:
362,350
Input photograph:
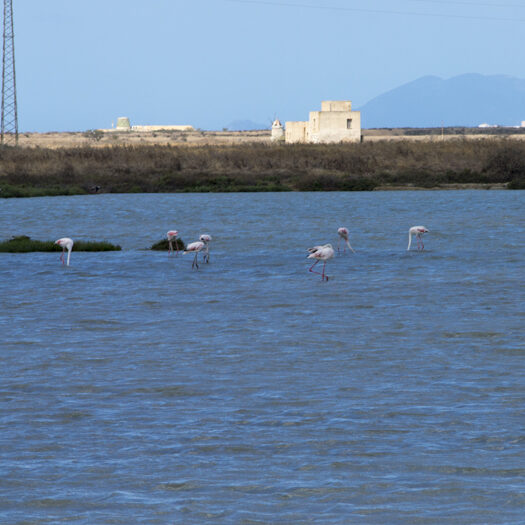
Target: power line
379,11
471,4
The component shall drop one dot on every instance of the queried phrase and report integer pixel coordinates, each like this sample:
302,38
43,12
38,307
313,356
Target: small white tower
123,124
277,131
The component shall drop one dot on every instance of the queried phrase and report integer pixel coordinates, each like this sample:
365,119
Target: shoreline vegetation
255,167
24,244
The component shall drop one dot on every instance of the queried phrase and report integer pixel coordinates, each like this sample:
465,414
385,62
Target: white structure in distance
336,122
123,124
277,131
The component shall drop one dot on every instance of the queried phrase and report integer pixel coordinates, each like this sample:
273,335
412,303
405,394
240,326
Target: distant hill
465,100
246,125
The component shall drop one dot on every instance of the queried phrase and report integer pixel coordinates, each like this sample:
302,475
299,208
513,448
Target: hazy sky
83,63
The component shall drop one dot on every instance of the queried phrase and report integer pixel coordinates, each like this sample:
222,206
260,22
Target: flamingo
66,244
418,231
343,234
205,238
172,234
320,253
198,246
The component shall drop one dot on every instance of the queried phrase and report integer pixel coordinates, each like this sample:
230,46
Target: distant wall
296,132
164,128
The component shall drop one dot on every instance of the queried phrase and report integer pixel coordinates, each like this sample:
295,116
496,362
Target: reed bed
260,167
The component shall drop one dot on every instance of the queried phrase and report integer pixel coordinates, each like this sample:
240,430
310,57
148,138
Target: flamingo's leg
322,275
170,247
62,256
195,262
313,271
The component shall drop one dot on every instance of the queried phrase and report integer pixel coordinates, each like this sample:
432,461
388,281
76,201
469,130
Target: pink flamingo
66,244
172,234
198,246
418,231
343,234
205,238
320,253
195,247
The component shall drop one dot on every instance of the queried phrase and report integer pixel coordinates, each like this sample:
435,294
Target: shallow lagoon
134,389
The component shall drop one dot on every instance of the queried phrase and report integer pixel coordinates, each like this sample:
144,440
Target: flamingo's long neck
409,240
348,244
68,255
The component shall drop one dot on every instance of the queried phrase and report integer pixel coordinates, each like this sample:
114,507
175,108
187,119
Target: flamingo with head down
343,234
418,231
66,244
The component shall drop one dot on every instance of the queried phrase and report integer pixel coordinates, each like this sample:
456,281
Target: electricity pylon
9,132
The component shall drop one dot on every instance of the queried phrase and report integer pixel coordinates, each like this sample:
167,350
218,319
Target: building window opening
348,123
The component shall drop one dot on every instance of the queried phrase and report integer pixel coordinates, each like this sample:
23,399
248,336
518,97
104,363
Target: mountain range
430,101
465,100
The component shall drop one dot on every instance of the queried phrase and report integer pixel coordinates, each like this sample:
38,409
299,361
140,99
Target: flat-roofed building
336,122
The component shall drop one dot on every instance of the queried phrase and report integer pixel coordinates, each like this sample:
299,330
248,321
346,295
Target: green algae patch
163,245
24,244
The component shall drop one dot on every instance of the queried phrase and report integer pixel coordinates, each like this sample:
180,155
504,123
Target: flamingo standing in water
418,231
343,234
172,234
66,244
198,246
205,238
320,253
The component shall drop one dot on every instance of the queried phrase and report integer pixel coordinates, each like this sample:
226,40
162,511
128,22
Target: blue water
134,389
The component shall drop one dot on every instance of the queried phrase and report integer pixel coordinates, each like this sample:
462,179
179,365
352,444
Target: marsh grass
24,244
163,245
26,172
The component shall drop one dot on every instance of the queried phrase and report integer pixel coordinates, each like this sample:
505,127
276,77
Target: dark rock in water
178,244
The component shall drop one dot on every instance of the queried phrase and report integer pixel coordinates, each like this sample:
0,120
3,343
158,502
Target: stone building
123,124
336,122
